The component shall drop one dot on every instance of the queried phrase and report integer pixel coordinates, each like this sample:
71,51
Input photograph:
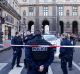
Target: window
24,0
45,1
67,13
31,11
32,1
60,10
74,10
24,13
9,19
45,11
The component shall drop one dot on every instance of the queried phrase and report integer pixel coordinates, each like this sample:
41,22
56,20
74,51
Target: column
37,26
54,27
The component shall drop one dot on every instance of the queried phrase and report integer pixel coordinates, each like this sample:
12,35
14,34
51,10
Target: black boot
18,66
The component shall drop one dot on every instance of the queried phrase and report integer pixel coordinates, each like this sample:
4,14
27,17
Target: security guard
65,53
38,58
17,50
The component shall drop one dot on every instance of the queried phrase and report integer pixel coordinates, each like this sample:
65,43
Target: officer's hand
41,68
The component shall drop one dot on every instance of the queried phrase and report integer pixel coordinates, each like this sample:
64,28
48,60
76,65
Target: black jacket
37,56
27,38
17,40
66,51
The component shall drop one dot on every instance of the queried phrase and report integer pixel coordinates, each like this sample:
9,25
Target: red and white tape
52,46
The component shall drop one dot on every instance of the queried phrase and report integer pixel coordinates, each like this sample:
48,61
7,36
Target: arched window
30,25
61,27
75,27
45,26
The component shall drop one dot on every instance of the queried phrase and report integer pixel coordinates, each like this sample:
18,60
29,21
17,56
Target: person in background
65,53
17,50
73,42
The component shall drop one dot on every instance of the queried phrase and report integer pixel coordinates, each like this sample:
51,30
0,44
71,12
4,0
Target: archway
45,26
32,28
75,27
61,27
30,25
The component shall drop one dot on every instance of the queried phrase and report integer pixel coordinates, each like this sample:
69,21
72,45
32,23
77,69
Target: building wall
67,6
11,24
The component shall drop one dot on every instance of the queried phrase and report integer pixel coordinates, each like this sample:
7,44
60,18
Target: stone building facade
60,15
10,12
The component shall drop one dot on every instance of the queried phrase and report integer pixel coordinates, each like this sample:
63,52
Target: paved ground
5,47
6,58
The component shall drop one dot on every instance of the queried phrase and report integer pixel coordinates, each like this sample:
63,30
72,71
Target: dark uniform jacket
37,56
66,51
27,38
16,41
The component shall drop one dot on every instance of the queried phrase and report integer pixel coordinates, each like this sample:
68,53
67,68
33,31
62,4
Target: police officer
65,53
29,36
17,50
38,58
73,42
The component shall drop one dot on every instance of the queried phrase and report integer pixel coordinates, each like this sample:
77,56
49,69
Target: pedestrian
17,50
65,53
38,58
73,42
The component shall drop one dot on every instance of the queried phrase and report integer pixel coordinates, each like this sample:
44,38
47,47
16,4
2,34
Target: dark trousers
64,66
16,56
70,62
64,62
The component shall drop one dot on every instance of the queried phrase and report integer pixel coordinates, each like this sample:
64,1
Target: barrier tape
52,46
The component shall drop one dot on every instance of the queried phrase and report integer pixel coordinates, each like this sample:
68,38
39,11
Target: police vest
40,53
